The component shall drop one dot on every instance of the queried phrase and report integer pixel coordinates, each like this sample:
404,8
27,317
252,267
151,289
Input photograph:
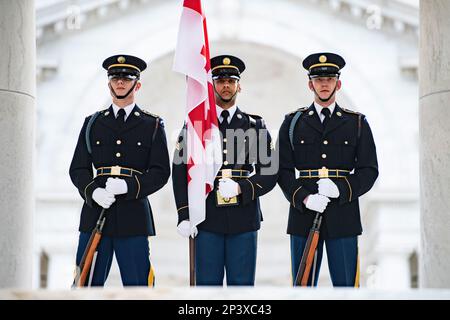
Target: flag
204,157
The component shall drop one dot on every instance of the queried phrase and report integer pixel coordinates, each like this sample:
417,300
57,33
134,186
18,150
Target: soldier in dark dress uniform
333,150
121,157
227,238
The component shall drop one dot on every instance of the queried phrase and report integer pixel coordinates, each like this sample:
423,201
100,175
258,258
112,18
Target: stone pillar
17,115
434,117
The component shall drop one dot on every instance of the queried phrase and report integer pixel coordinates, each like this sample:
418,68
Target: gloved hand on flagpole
184,229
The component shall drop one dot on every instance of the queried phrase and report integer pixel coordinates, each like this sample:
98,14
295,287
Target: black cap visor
123,73
222,73
324,72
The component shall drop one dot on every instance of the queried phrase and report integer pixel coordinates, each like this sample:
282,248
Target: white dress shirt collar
127,109
231,110
319,109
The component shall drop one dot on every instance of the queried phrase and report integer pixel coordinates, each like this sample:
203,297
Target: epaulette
253,118
150,114
103,112
351,111
299,109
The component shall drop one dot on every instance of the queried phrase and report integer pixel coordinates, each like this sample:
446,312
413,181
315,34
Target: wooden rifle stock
310,258
306,262
85,265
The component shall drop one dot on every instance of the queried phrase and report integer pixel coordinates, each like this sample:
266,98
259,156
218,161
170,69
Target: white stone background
272,37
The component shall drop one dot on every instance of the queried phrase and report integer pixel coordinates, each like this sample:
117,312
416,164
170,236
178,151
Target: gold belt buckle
323,173
227,173
115,171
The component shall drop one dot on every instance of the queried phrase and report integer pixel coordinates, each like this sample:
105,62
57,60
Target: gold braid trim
253,189
139,186
350,187
85,197
293,196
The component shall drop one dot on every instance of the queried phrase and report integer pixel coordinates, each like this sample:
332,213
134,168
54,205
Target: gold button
139,143
324,156
224,139
137,114
325,142
225,151
303,141
346,142
225,162
98,142
119,142
118,154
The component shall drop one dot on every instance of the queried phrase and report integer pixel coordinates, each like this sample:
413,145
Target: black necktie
223,125
326,112
120,118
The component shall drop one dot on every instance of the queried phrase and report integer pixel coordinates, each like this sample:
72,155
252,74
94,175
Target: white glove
103,198
228,188
328,188
316,202
116,186
184,229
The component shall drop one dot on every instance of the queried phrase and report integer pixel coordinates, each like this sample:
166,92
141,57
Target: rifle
90,254
309,254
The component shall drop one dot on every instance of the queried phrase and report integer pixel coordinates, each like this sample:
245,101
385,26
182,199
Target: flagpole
192,58
191,262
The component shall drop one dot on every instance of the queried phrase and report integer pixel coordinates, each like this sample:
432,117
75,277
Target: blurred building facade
379,40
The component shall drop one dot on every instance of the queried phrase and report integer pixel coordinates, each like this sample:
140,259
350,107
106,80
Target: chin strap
225,100
326,99
122,97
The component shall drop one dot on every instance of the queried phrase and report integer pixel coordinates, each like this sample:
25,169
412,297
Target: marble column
17,117
434,115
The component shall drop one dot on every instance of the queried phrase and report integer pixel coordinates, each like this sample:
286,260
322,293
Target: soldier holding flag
216,196
227,239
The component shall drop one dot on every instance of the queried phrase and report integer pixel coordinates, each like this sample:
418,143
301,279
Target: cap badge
121,59
226,61
323,59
